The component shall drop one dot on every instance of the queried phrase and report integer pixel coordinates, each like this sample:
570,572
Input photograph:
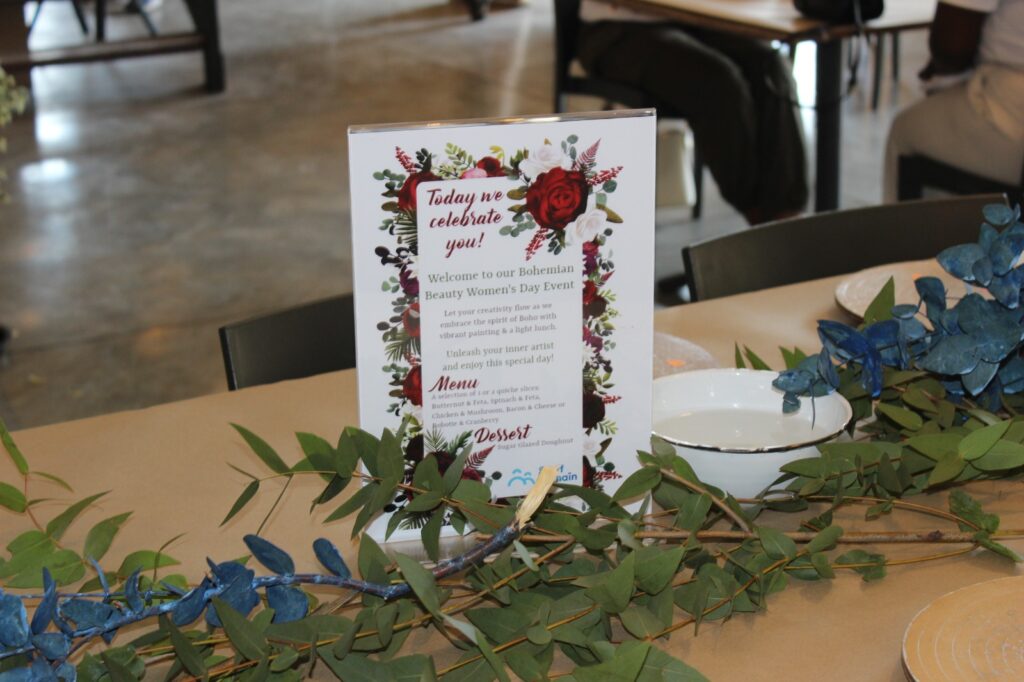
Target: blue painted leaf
904,311
238,592
790,403
972,311
173,589
1012,376
998,214
47,608
52,645
883,336
66,672
191,606
23,674
85,613
871,374
951,355
288,603
14,630
976,380
328,555
42,672
959,260
101,575
949,320
982,271
910,336
827,370
932,291
131,592
270,555
1005,251
986,237
1006,289
793,381
991,398
842,341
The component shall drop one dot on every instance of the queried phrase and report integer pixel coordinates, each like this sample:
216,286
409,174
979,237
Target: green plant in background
12,101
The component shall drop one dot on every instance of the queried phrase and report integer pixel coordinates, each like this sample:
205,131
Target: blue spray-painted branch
81,617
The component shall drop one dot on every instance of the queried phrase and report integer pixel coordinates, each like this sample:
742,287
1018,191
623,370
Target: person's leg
781,157
946,128
697,82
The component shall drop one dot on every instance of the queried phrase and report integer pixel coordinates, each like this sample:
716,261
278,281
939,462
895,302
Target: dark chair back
833,243
917,172
298,342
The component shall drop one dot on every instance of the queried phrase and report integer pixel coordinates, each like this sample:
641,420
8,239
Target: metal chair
917,172
298,342
567,29
833,243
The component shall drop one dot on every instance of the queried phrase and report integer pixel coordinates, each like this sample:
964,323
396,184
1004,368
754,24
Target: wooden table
17,59
170,465
779,20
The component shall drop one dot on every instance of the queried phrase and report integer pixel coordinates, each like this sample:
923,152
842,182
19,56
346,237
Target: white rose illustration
543,159
586,227
591,447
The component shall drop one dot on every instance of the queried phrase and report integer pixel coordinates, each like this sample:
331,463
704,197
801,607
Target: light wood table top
169,464
778,19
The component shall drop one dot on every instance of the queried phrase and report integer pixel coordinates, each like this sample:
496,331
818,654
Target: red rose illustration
491,166
407,195
557,197
412,387
411,320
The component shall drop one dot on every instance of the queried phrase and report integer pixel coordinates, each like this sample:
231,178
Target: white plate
673,355
855,293
969,635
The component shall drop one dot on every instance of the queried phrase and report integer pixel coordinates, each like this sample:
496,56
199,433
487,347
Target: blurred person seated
737,96
973,116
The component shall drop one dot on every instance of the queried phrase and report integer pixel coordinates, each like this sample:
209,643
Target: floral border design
564,200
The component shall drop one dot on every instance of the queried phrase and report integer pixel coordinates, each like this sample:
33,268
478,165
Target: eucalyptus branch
848,537
701,490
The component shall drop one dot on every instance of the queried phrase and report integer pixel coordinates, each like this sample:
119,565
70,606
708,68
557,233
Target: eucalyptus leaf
422,583
245,637
263,450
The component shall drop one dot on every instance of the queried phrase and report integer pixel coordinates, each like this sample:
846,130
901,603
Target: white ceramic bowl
729,425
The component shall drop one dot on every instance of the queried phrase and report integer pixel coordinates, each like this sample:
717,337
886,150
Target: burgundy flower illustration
412,387
557,197
407,194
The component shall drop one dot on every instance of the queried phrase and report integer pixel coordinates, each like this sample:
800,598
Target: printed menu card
504,294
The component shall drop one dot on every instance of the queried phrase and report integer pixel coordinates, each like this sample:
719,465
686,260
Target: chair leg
80,14
876,86
146,19
698,182
35,16
101,20
896,57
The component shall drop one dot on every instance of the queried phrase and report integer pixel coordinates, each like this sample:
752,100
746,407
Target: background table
17,59
170,465
779,20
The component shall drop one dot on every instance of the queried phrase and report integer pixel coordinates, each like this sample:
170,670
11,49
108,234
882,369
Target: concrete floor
145,213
